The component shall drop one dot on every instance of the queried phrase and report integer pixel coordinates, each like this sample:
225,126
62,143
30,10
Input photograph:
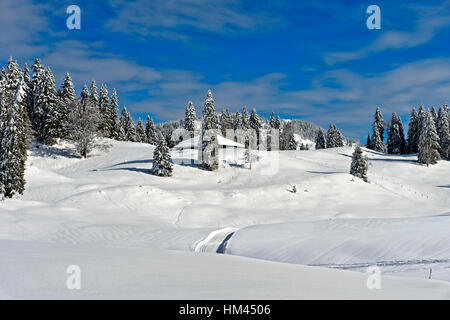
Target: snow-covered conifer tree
140,132
150,132
130,129
379,123
413,132
114,123
359,164
368,142
226,122
104,111
66,99
162,165
47,110
13,131
443,130
396,139
189,120
429,142
320,140
245,119
93,93
255,124
208,153
377,141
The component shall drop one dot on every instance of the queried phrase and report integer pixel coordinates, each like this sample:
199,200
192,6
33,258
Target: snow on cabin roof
194,142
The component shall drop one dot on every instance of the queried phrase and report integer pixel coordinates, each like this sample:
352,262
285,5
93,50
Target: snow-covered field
135,235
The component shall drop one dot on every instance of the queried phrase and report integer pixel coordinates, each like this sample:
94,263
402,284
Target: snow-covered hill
111,201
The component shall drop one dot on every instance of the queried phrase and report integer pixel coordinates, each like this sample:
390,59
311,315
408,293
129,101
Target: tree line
428,134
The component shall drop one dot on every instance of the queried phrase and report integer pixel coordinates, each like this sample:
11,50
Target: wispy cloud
164,18
429,21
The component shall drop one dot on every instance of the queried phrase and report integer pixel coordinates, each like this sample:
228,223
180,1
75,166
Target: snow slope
111,200
38,271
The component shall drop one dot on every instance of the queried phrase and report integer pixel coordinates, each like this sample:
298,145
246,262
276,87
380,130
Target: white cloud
430,20
162,18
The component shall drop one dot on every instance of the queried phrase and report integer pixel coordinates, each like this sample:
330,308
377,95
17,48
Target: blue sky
314,60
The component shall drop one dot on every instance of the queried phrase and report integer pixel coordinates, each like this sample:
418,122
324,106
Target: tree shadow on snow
387,160
53,152
444,186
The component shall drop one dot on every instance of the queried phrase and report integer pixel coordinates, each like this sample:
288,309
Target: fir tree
368,142
278,123
13,131
36,84
104,111
210,125
429,142
114,123
130,129
255,124
287,140
67,97
396,139
237,121
162,165
377,143
443,130
47,111
150,132
320,140
93,94
434,116
359,165
334,137
413,132
123,125
84,95
272,120
190,119
226,122
245,119
379,123
140,132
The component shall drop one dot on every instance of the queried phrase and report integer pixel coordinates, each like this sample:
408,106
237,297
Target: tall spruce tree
13,131
429,142
209,152
130,129
114,123
140,132
150,132
162,165
368,142
93,94
443,130
255,124
376,141
359,165
379,123
245,119
190,119
104,111
47,111
226,122
320,140
413,132
67,98
396,138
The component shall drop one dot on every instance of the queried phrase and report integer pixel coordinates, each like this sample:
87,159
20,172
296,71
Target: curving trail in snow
215,241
